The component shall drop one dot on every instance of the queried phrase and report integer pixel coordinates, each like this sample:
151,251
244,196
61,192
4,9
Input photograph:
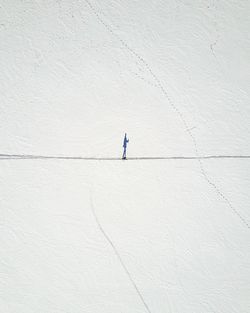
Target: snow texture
168,229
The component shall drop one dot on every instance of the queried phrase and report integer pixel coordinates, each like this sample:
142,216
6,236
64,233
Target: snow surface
142,235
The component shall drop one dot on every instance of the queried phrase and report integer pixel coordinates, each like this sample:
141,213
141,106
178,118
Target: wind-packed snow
166,231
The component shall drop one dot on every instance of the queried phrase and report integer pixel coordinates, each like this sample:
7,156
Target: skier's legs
124,154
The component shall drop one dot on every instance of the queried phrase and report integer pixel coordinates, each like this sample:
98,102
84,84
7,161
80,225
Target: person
125,142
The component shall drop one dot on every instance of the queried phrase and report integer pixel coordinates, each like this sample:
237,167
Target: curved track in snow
160,86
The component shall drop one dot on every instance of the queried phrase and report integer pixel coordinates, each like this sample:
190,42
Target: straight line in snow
109,240
57,157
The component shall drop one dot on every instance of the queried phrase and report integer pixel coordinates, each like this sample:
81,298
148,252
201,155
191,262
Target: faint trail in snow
108,239
214,43
65,157
217,35
144,79
175,108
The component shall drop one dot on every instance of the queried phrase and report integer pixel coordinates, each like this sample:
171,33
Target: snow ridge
175,108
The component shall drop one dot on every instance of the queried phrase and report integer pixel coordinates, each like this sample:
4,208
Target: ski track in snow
139,158
108,239
175,108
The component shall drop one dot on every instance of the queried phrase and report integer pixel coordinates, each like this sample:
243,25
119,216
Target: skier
125,142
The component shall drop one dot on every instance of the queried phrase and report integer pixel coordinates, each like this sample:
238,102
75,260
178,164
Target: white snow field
166,231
